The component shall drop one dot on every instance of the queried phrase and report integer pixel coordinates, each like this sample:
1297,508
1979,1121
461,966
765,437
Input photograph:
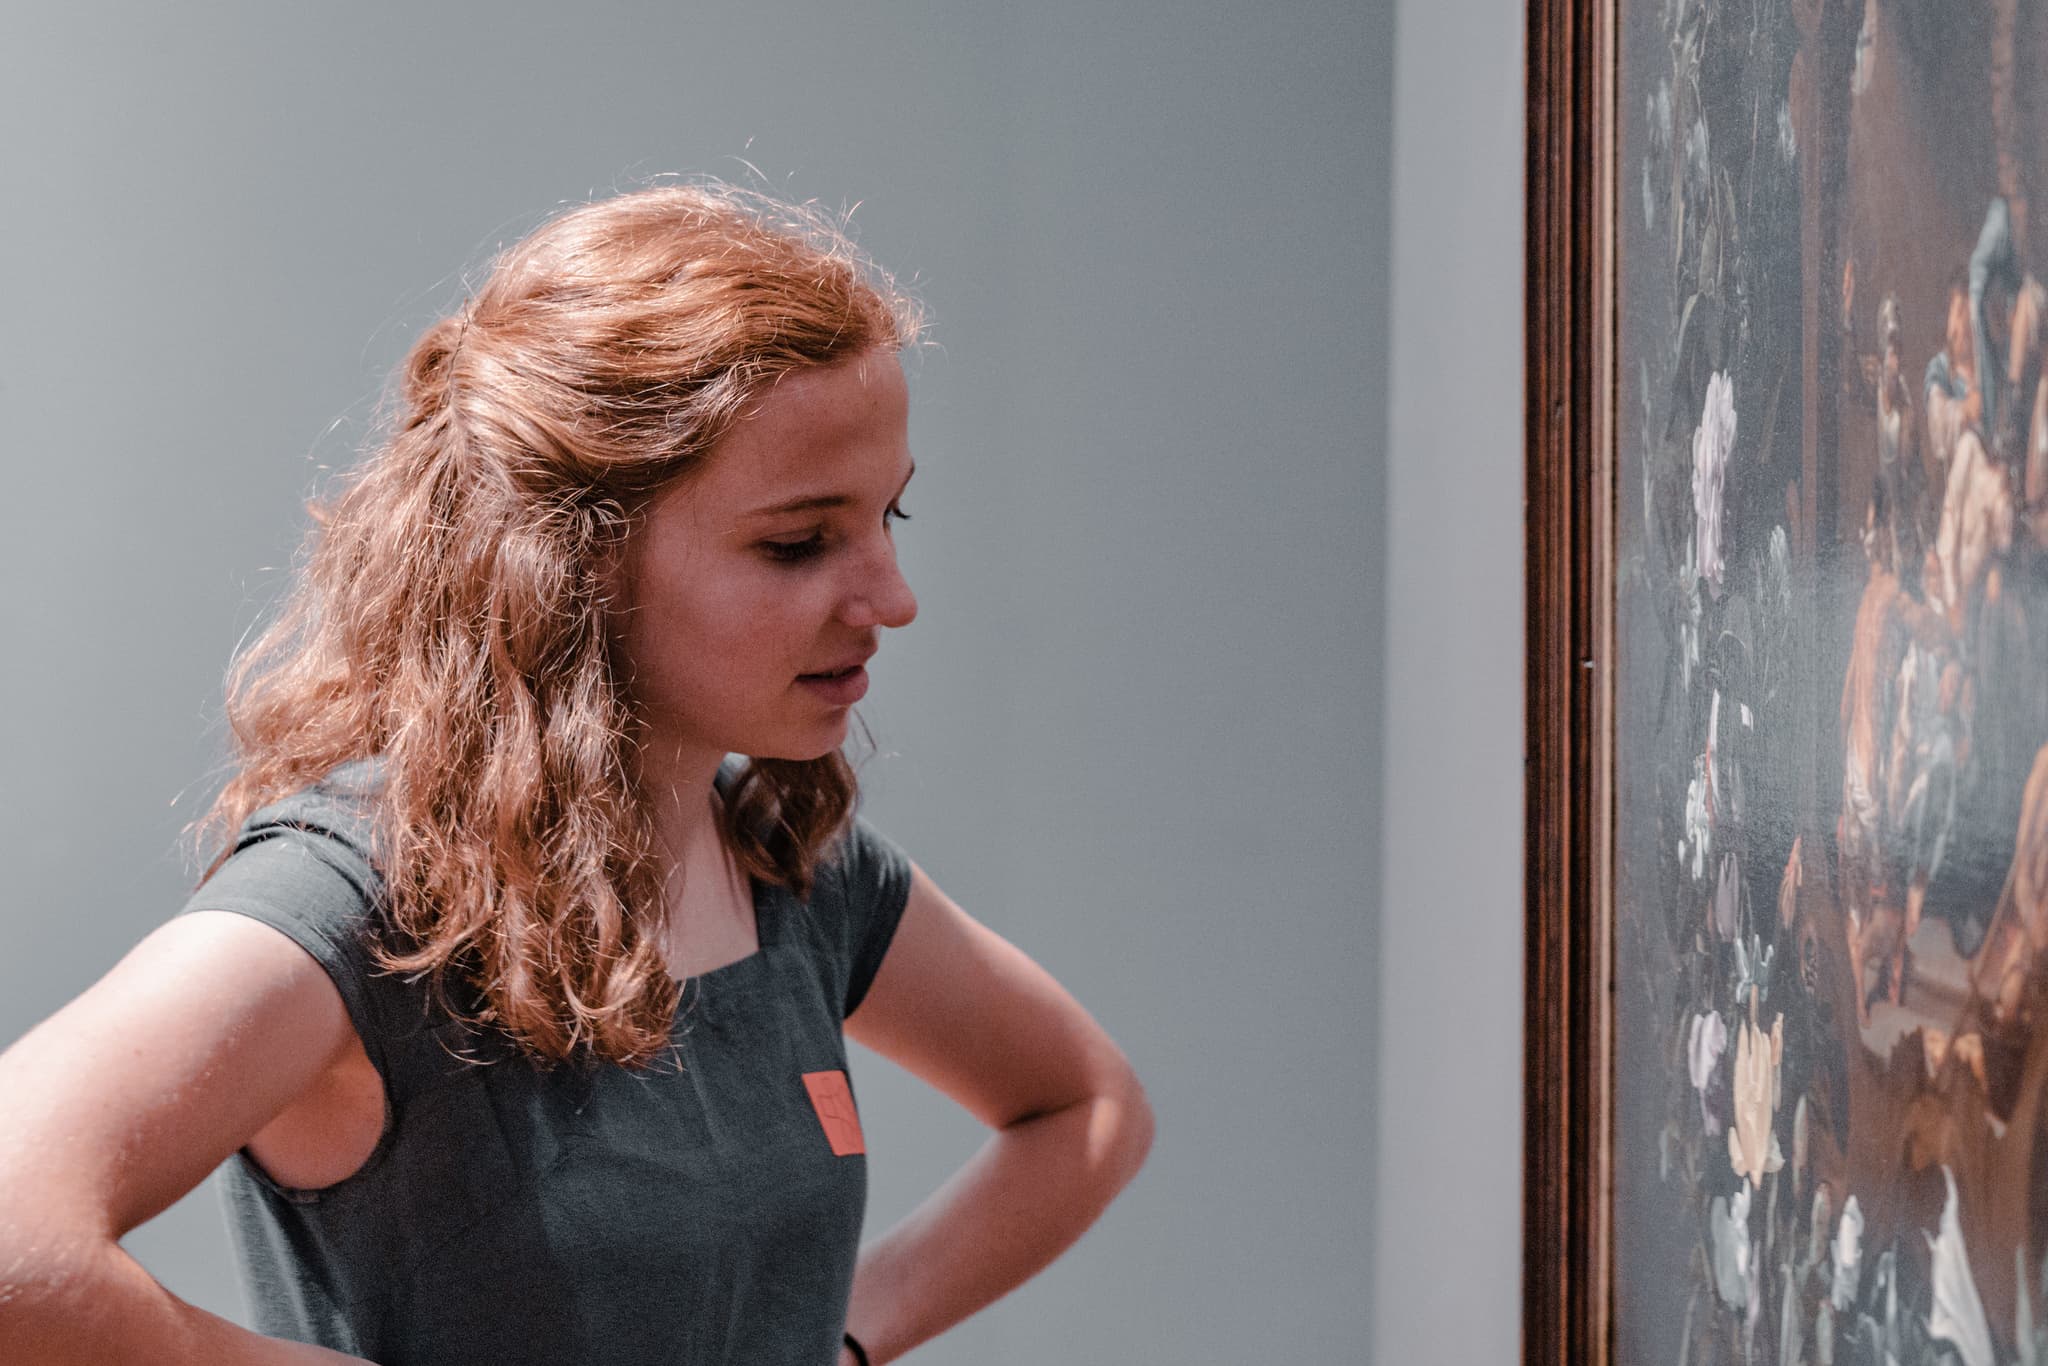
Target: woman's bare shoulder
125,1098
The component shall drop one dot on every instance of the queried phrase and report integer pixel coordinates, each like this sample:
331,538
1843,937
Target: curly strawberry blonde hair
448,612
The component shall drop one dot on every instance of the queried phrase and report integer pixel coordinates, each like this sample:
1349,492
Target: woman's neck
707,903
678,783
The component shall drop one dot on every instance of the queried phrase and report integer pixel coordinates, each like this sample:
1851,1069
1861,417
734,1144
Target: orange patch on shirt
833,1100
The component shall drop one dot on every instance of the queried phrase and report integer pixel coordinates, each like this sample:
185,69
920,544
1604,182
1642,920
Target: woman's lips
840,689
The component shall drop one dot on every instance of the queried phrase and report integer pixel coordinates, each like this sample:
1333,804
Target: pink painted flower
1752,1144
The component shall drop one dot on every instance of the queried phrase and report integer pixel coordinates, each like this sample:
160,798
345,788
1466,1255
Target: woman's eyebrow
811,502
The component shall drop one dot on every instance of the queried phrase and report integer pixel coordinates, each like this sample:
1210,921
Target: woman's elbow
1124,1124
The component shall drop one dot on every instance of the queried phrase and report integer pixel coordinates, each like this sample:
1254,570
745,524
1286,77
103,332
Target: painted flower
1789,885
1799,1140
1817,1225
1884,1297
1709,1036
1791,1337
1716,793
1958,1315
1752,1143
1753,965
1728,898
1709,1039
1848,1257
1699,825
1712,444
1689,614
1699,169
1735,1256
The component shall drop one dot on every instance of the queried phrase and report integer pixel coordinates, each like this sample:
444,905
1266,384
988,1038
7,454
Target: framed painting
1788,683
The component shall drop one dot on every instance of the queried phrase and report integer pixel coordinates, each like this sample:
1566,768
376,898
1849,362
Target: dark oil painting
1831,683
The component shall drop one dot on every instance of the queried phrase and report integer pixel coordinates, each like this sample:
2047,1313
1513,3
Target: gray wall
1136,726
1448,1228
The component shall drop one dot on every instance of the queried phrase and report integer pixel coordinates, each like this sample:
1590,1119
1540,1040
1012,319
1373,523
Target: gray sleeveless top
706,1210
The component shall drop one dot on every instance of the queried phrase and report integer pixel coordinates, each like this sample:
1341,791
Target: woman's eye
789,552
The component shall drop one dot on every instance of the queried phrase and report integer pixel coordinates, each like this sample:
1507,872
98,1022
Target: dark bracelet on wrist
860,1353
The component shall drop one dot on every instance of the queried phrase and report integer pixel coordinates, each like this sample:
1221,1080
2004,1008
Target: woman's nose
882,597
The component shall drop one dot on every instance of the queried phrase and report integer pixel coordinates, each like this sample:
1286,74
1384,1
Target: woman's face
1961,348
772,564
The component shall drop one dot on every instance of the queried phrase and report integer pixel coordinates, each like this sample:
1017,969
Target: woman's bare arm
962,1008
123,1101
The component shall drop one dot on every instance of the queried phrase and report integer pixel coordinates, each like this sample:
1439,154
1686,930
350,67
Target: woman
514,1004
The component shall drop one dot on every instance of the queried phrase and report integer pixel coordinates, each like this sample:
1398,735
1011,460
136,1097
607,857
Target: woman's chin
816,744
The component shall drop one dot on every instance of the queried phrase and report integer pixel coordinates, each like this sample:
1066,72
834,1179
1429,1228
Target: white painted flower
1707,1041
1958,1315
1848,1257
1709,1038
1735,1256
1689,621
1753,964
1712,444
1699,826
2023,1310
1884,1287
1817,1225
1728,898
1699,169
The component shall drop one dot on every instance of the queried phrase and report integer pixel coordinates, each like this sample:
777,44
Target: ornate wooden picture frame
1787,793
1568,334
